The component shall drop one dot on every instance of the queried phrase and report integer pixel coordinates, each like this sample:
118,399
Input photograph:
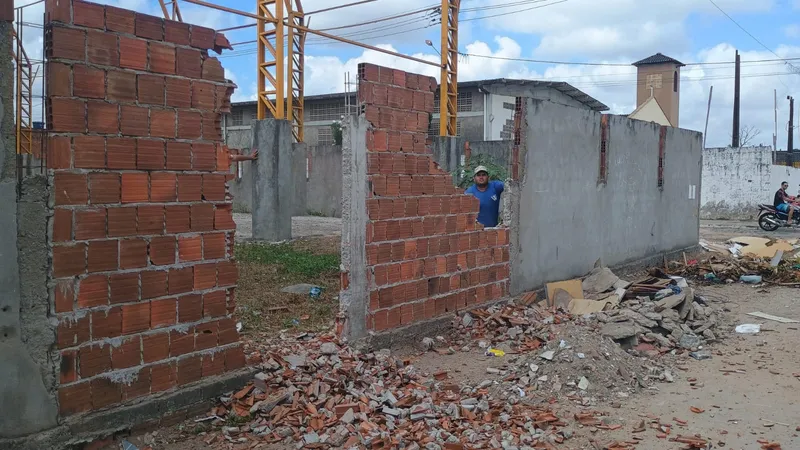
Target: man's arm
251,157
499,186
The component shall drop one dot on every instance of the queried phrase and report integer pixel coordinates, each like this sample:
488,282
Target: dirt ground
743,397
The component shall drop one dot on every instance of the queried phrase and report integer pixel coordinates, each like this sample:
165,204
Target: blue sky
610,32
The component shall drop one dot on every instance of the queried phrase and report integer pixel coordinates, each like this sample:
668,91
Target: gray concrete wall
241,187
272,180
299,191
567,221
324,184
27,370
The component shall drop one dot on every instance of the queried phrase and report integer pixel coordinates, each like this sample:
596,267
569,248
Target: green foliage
336,132
291,261
496,171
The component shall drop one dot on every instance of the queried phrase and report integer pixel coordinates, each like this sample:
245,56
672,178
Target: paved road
301,226
722,230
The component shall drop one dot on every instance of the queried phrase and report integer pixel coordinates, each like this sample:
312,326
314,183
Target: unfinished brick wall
426,254
142,277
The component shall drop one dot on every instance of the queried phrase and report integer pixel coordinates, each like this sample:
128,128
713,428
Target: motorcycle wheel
766,222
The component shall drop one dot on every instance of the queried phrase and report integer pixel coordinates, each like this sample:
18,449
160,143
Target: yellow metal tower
271,68
448,84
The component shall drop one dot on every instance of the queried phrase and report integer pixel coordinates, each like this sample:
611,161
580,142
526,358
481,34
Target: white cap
480,169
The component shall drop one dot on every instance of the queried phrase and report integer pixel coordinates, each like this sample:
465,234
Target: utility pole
775,131
708,113
736,86
790,139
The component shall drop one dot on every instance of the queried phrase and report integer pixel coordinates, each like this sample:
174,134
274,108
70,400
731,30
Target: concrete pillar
272,180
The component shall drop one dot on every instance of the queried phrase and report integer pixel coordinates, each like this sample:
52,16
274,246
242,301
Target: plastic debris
750,279
748,328
495,352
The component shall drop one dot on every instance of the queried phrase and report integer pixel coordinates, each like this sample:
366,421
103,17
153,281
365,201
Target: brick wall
426,254
141,233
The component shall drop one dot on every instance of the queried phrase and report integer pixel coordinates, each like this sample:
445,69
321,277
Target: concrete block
272,180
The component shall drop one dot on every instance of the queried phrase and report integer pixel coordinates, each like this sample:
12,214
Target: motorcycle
770,219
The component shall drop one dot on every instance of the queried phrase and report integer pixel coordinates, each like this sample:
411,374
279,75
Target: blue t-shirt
490,202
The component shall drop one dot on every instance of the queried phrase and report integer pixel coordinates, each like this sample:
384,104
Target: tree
336,132
747,134
464,175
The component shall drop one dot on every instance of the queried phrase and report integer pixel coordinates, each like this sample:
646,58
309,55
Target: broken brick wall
141,229
426,256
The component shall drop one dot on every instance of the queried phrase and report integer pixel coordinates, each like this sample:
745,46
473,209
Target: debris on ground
774,260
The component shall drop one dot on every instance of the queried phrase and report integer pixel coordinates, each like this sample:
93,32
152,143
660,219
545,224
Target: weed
288,259
313,213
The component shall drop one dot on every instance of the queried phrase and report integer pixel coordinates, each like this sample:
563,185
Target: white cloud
792,31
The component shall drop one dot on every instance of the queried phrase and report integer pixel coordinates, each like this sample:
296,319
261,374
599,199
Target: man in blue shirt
488,192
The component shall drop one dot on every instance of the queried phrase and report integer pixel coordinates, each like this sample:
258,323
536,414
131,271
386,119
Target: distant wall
324,183
568,219
737,180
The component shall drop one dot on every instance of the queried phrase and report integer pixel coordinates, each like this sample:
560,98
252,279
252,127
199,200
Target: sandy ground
302,226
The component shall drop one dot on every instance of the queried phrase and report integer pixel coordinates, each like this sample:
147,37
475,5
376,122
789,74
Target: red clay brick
64,293
69,260
54,11
189,125
102,117
176,32
104,188
162,250
189,369
62,225
212,70
179,92
223,217
202,37
74,399
162,377
203,95
202,217
151,89
156,346
90,224
105,392
178,219
58,152
214,187
89,15
95,359
181,342
121,222
234,359
59,80
214,246
69,366
134,120
133,254
134,187
162,123
214,304
89,82
212,129
139,387
73,332
107,324
132,53
163,187
121,153
68,43
154,284
90,152
227,273
102,48
124,287
67,115
190,308
103,256
127,354
227,333
162,58
179,156
121,86
180,280
163,312
150,154
206,336
150,219
189,188
213,365
189,63
118,19
135,318
190,248
204,156
205,276
149,27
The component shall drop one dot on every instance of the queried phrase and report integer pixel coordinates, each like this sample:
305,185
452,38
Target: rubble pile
661,313
775,260
320,395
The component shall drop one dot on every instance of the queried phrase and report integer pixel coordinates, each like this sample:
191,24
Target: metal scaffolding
24,79
448,83
176,10
295,80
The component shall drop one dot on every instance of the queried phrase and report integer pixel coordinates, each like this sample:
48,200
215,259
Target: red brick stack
142,228
426,254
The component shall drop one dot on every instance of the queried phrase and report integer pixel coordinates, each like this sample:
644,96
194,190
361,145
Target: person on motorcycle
781,202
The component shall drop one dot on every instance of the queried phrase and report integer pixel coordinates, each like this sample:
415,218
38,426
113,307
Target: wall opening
603,149
662,138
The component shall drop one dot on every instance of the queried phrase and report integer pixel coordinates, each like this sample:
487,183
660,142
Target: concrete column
272,180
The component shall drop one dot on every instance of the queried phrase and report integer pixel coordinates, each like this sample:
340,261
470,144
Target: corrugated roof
658,58
561,86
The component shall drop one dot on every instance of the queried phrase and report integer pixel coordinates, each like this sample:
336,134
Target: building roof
658,58
563,87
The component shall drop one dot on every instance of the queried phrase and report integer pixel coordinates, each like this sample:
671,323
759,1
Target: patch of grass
290,260
265,269
311,212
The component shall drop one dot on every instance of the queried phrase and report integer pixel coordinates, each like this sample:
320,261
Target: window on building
675,81
237,117
433,127
324,135
458,127
464,102
326,111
